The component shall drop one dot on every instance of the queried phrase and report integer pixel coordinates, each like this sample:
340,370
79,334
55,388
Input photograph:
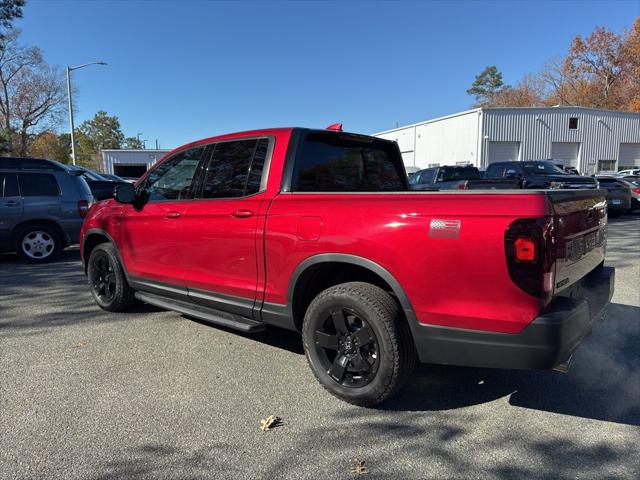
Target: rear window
38,185
459,173
8,185
330,162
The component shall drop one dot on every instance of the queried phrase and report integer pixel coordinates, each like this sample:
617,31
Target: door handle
172,214
242,213
11,203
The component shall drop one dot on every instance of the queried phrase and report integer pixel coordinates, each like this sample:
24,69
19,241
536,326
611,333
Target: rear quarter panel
458,282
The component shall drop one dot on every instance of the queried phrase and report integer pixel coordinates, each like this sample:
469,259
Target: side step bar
200,312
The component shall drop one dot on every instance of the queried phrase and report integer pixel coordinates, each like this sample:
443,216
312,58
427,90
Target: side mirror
124,193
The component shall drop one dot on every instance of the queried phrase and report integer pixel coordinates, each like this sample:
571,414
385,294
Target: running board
200,312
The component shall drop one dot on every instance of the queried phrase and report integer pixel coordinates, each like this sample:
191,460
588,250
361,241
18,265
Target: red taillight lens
636,190
464,185
525,250
531,254
83,208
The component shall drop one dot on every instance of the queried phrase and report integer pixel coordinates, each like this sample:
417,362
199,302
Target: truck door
220,254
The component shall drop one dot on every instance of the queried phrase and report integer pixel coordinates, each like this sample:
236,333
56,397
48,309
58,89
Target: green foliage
133,143
487,85
9,10
103,131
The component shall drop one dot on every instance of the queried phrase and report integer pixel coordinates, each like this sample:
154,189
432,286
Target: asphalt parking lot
85,394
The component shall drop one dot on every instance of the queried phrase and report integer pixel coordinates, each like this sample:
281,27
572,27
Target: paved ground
151,394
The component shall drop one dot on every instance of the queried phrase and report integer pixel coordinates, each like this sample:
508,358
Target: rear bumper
548,341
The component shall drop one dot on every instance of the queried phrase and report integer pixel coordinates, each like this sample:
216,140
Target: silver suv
42,206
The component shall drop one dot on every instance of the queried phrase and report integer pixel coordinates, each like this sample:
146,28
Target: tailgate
580,221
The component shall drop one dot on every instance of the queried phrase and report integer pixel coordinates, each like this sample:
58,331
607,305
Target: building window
434,165
573,123
606,165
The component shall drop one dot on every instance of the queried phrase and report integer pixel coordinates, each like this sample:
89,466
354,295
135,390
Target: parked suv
619,194
42,206
539,174
317,231
458,178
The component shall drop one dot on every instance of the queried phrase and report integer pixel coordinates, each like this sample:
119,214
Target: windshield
542,168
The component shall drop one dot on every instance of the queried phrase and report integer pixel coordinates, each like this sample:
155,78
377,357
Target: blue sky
179,71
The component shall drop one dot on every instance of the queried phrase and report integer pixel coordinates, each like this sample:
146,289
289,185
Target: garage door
629,155
565,152
504,151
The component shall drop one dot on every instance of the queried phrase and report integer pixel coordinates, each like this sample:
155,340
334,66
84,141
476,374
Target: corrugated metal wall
130,157
599,132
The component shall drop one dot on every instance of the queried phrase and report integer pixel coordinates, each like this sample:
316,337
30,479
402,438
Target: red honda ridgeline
317,231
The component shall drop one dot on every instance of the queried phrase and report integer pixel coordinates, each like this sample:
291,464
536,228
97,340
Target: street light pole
69,70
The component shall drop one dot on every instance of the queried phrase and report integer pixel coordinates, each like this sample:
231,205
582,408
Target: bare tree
31,92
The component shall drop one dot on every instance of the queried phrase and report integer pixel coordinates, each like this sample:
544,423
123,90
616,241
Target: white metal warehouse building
130,163
589,139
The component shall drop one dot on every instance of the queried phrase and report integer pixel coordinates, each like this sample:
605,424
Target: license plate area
578,247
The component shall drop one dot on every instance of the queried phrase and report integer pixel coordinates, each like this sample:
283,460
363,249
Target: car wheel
357,343
107,280
38,243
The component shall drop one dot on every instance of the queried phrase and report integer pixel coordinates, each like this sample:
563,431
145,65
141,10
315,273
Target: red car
317,231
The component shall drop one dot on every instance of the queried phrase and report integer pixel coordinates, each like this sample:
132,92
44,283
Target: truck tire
357,343
38,243
107,281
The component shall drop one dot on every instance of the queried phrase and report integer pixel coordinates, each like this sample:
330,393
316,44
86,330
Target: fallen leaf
357,467
270,422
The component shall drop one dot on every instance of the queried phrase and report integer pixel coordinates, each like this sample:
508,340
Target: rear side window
8,185
235,169
424,177
172,179
38,185
328,162
495,170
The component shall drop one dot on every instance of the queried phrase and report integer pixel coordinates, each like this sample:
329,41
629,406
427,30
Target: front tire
107,280
357,343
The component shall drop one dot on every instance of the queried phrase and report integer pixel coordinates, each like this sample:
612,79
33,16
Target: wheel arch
92,238
32,222
311,270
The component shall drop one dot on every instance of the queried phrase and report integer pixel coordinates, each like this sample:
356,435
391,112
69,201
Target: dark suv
42,206
539,174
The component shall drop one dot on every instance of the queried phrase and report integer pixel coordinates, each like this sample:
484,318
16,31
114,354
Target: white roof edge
564,107
466,112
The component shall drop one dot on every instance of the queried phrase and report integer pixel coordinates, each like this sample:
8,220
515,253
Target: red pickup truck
317,231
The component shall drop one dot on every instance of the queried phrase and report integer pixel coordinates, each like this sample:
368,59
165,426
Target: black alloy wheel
347,348
103,277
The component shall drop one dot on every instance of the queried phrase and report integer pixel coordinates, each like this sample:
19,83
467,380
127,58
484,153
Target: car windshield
542,168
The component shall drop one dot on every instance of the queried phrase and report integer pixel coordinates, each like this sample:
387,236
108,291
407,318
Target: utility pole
71,126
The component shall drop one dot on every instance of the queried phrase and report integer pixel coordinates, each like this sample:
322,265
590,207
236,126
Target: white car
630,171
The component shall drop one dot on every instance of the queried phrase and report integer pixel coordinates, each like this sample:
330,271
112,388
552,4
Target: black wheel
38,243
107,281
357,343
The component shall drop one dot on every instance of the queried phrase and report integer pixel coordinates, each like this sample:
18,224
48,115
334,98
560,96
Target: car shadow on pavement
603,382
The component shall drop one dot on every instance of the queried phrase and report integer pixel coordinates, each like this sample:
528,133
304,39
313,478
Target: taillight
464,185
636,190
83,208
525,250
530,251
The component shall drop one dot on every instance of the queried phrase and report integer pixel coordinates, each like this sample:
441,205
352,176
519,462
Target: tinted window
235,169
458,173
172,179
541,168
8,185
328,162
424,177
38,185
495,170
573,123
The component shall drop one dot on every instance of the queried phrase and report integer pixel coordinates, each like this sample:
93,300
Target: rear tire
357,343
38,243
107,281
